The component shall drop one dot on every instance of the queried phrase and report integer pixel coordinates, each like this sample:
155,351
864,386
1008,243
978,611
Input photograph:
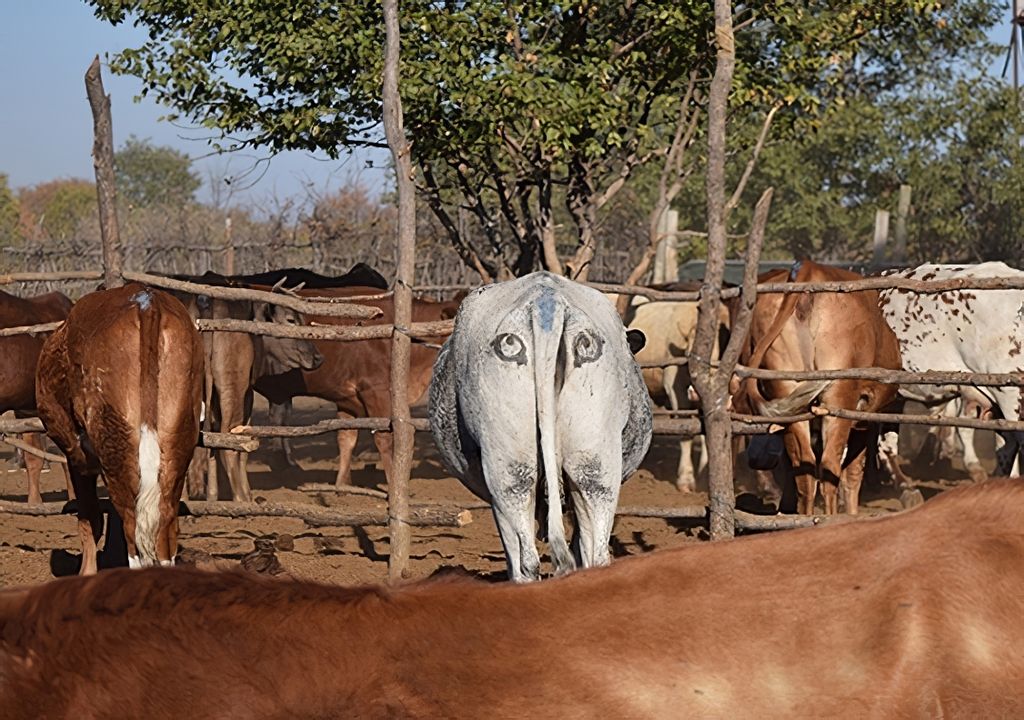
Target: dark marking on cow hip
522,479
586,348
510,348
586,473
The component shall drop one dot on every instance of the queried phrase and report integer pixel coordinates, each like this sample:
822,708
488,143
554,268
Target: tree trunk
401,466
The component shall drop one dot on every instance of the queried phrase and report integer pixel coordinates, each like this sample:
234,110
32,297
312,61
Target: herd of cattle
535,399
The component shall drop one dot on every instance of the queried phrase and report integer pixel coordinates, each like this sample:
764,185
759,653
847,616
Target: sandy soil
34,550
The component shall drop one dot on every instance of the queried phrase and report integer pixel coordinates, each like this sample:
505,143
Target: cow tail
548,321
147,502
806,392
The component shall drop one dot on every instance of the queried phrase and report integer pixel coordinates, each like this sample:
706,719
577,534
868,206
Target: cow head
278,355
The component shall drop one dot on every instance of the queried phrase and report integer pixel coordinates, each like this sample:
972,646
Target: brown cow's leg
33,467
347,440
90,520
836,435
195,482
384,440
853,476
801,455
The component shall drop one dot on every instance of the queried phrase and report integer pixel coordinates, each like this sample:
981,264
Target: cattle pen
401,514
247,437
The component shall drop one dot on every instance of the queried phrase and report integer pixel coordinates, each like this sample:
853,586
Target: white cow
538,377
670,327
978,331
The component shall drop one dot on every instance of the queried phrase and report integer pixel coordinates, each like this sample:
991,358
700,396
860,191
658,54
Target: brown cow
820,331
119,389
916,615
235,360
356,376
18,357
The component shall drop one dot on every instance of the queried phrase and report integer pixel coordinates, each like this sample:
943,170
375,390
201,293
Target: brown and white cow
18,357
356,376
915,615
119,388
819,331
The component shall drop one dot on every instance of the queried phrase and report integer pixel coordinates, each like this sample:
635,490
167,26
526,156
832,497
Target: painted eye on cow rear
510,347
587,348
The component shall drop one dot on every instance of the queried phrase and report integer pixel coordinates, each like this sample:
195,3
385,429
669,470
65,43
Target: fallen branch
32,449
343,489
750,521
310,306
224,441
419,515
31,329
9,278
323,427
902,377
436,329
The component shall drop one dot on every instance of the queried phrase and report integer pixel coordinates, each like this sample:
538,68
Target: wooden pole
899,252
881,237
401,466
103,163
709,382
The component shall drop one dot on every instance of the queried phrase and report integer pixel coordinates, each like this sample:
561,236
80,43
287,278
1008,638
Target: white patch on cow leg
134,562
202,410
147,504
168,563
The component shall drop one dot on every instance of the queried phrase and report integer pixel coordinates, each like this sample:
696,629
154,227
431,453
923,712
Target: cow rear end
119,390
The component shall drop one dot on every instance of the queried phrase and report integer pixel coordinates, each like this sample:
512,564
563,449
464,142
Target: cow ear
636,340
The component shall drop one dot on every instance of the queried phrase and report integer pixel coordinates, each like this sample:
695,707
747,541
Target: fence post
881,237
103,163
401,419
899,255
666,261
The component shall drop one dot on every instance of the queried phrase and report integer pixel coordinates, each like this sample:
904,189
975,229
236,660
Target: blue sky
46,126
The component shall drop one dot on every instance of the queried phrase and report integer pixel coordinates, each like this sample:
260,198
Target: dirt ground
36,549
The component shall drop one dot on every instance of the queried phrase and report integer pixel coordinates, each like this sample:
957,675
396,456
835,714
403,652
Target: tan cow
119,389
670,328
819,331
915,615
18,357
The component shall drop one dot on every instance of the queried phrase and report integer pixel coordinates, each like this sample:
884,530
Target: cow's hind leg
513,487
33,467
801,456
90,520
347,440
594,482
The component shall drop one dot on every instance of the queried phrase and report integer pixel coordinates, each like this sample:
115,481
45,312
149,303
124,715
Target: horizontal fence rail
308,305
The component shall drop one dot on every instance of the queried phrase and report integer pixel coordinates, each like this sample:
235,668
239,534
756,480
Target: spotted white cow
538,377
978,331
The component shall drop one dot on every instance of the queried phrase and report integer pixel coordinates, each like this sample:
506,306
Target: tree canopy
521,110
147,174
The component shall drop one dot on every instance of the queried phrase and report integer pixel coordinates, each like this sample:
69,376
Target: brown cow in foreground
119,389
819,331
18,357
918,615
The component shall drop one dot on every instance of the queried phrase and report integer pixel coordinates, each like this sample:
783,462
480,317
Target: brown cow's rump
913,616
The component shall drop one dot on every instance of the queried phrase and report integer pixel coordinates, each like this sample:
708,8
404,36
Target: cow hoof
911,498
977,472
686,486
